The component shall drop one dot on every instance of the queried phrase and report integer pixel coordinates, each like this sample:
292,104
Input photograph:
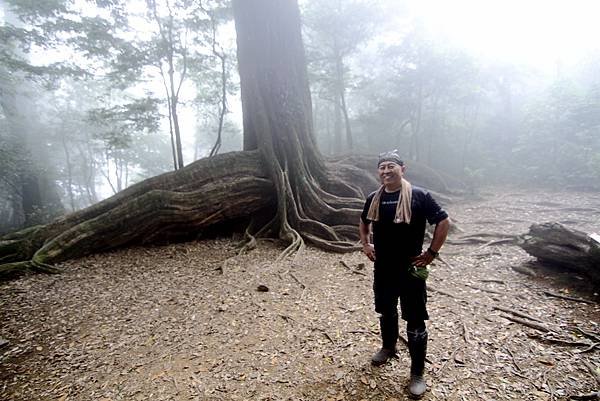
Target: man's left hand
423,259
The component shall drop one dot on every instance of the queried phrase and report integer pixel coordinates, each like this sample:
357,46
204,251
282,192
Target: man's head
391,169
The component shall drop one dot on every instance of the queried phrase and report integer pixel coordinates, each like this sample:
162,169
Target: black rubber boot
389,336
382,356
417,347
417,386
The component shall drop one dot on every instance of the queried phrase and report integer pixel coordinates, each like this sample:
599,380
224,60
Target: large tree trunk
314,204
172,205
555,244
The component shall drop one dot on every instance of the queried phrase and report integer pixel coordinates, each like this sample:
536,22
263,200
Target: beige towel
403,213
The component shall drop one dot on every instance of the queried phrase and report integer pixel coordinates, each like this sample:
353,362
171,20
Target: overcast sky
537,33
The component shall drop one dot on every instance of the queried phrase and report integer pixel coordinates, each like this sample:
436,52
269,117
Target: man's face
390,173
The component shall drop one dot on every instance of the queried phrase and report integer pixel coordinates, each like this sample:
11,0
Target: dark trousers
393,284
389,286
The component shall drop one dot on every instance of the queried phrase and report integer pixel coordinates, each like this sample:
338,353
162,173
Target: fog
489,92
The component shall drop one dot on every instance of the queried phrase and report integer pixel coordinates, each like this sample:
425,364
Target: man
397,213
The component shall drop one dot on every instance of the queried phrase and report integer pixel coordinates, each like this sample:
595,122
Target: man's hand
423,259
439,236
369,250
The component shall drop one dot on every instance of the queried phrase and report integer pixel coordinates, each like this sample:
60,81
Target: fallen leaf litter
193,321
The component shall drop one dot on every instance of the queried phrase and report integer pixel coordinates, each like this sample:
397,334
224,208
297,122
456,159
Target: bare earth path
187,322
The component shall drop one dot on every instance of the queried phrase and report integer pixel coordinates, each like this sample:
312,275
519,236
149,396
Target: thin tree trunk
340,85
172,93
337,127
432,130
328,132
31,199
223,109
399,140
173,146
175,117
349,139
126,174
469,131
88,166
169,108
107,174
417,121
69,170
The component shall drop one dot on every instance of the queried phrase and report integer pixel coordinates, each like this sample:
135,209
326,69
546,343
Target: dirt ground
187,321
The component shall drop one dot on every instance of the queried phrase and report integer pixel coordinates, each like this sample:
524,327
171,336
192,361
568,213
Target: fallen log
555,244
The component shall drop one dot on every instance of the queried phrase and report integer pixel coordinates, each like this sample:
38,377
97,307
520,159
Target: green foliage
32,10
122,121
126,133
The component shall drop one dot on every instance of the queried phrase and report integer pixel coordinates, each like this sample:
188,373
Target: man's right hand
369,250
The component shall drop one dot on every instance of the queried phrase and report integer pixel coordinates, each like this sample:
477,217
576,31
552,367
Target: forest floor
187,322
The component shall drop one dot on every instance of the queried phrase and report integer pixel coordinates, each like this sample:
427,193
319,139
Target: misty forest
181,183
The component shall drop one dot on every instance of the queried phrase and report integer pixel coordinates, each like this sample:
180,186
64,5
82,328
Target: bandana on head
391,156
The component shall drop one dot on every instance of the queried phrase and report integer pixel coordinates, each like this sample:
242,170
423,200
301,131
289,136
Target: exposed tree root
524,270
583,397
250,243
484,289
590,348
355,271
552,294
592,336
560,341
438,372
297,280
15,269
528,323
517,313
296,245
426,176
593,370
484,238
